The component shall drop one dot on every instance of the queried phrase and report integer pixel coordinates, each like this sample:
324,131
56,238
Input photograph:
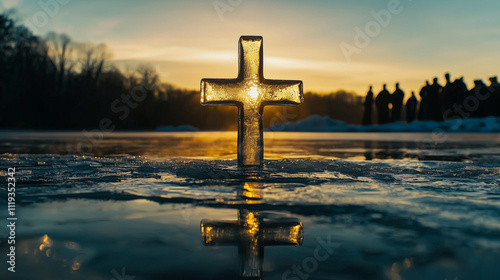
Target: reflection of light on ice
49,249
76,264
251,224
206,233
251,234
251,192
46,242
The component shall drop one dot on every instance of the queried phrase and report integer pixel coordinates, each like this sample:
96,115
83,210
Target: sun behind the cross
254,93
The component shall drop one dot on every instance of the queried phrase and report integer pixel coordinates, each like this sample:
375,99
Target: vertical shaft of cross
251,58
250,136
250,119
250,249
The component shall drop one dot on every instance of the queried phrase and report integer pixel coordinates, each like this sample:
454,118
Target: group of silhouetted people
437,103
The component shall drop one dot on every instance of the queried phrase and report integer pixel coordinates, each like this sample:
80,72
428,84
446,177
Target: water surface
387,206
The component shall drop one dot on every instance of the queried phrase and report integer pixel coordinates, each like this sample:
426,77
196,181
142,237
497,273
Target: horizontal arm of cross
220,92
233,92
283,92
272,233
220,233
282,233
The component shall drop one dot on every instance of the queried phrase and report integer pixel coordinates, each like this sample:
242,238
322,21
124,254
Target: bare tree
92,60
60,50
149,77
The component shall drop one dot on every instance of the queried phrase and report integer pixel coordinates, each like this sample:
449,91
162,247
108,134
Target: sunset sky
188,40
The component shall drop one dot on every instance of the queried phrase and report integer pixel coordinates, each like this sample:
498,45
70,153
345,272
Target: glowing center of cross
250,92
254,94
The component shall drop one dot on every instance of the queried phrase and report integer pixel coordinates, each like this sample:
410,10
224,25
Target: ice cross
250,92
250,233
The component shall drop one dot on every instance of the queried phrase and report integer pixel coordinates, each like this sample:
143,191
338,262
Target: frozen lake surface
371,205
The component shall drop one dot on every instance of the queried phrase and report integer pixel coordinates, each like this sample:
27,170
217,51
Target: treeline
56,83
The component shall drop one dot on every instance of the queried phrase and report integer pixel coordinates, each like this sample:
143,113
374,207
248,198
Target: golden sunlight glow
206,233
251,224
76,265
254,93
46,242
296,234
251,190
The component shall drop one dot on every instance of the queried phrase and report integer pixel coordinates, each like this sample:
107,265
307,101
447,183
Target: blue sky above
188,39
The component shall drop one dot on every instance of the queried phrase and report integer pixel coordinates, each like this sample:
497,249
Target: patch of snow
325,124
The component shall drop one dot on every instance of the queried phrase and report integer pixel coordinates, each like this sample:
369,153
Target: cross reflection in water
251,233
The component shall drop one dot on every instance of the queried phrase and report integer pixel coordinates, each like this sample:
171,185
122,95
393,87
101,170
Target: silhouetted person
434,101
460,92
494,90
477,105
382,103
367,114
424,110
397,103
489,99
411,108
446,94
